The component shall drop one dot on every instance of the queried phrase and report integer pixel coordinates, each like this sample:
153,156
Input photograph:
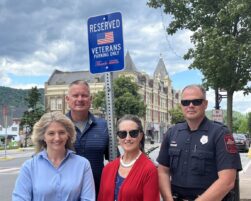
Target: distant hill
15,100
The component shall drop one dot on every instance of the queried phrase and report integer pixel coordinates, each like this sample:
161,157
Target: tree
249,123
33,98
99,100
34,112
243,126
222,45
177,115
126,98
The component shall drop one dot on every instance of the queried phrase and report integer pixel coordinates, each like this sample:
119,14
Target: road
9,168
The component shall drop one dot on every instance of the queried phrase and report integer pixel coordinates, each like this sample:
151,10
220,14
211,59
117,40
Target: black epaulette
220,124
217,122
180,122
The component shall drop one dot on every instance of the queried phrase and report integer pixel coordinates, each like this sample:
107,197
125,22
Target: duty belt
177,197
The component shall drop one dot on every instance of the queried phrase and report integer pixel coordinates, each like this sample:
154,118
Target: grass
9,147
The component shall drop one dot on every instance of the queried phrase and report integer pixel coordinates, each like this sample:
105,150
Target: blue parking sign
106,48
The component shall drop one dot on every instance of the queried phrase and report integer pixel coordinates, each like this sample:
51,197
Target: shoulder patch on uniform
230,144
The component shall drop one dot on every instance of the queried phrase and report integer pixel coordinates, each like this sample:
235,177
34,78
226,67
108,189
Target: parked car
241,142
248,139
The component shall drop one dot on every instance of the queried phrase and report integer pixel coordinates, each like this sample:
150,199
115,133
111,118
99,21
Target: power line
166,36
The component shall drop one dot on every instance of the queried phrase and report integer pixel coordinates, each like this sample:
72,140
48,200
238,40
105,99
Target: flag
105,38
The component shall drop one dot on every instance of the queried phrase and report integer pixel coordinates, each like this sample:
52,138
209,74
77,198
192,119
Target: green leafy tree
126,98
129,104
221,38
236,123
243,126
177,115
249,123
33,98
99,100
34,112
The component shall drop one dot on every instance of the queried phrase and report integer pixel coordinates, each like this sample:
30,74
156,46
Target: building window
56,103
59,103
53,104
14,128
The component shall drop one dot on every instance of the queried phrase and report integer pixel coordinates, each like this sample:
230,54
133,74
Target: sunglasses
132,133
195,102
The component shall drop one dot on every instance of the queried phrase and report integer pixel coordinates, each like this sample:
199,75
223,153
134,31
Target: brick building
155,90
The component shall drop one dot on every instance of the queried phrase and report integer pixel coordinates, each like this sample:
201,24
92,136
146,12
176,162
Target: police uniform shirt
195,157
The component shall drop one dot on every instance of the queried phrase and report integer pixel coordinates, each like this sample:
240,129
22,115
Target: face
193,112
56,137
129,144
79,98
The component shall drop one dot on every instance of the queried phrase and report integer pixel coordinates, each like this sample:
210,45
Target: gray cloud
39,36
29,28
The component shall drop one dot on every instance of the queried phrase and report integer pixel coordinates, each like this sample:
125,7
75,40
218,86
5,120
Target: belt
177,197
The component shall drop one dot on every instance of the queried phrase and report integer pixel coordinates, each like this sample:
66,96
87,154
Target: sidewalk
149,147
245,183
16,153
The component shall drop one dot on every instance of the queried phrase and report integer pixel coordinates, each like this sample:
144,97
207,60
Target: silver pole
110,115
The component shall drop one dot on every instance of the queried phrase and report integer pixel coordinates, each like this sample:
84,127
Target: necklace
127,165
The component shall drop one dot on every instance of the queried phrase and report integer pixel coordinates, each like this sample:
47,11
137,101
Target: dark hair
137,120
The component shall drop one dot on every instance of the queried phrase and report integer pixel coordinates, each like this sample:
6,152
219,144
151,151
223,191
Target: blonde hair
41,126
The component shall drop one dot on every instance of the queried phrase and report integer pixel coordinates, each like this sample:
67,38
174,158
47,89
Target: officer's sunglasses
195,102
132,133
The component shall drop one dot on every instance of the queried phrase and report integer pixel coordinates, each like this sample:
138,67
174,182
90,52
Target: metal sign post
106,54
110,116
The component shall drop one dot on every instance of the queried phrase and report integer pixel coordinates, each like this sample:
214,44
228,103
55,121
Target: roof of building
129,64
160,70
65,78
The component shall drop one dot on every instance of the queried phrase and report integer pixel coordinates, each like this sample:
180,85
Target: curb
26,149
249,153
5,158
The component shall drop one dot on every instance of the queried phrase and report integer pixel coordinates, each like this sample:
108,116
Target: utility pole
217,104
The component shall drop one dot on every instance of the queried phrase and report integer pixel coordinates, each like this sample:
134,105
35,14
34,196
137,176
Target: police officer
198,159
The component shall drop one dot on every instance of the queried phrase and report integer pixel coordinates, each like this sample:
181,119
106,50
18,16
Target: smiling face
56,137
194,112
129,144
79,98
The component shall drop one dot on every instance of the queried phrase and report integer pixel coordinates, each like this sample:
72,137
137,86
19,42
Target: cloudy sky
39,36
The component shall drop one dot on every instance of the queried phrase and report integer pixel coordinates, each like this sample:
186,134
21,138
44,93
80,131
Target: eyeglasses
195,102
132,133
